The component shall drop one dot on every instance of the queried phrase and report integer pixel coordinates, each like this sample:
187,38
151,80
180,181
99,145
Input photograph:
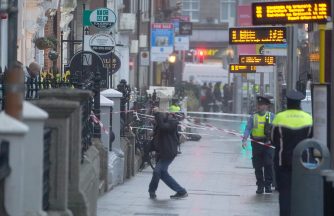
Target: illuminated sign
257,35
270,13
239,68
260,60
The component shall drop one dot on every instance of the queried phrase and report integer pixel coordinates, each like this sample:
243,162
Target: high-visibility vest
174,108
293,119
258,125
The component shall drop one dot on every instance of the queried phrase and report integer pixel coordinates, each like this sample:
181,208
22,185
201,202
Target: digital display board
240,68
271,13
260,60
257,35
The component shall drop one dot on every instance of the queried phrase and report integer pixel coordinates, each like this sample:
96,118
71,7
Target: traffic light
200,56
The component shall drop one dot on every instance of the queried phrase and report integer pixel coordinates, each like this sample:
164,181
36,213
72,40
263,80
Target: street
217,174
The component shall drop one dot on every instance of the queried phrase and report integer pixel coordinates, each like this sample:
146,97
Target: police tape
96,120
237,134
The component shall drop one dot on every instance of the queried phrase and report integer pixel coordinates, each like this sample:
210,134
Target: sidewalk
217,174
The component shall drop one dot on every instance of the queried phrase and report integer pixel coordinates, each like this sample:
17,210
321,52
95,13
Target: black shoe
153,196
260,190
179,195
268,189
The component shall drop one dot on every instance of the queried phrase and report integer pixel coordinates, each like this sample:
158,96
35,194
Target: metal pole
12,33
292,72
331,116
149,77
275,89
83,42
322,54
61,54
138,35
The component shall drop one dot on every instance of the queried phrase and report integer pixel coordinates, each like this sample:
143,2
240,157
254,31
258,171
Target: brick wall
52,29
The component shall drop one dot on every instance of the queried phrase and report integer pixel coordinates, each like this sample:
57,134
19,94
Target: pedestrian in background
289,128
259,128
165,143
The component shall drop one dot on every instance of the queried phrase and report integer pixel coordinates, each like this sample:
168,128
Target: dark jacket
289,128
166,136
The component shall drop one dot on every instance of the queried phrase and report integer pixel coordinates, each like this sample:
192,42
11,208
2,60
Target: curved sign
102,43
111,62
103,18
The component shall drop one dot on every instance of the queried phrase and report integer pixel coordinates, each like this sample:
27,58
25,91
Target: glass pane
185,13
195,15
186,5
195,6
224,11
232,10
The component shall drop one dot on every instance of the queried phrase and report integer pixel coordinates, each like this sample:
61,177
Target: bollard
307,195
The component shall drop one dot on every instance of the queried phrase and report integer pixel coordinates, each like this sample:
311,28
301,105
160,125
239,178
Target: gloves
244,143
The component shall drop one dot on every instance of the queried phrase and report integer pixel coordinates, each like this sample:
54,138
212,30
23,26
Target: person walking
259,128
165,144
289,128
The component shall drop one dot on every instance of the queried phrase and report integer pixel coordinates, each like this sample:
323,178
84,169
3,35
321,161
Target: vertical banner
162,41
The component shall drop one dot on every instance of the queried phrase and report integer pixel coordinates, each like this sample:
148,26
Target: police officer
174,107
289,128
259,128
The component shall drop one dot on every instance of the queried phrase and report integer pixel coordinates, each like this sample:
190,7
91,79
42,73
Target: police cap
295,95
262,100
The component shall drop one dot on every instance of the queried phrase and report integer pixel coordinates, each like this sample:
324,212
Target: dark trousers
161,172
283,177
263,164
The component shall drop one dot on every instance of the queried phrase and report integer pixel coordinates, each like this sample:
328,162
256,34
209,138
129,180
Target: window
227,11
191,8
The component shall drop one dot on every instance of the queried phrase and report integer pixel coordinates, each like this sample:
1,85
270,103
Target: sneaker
268,189
179,195
259,190
153,196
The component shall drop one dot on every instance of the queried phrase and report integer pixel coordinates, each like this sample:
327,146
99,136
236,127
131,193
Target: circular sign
83,65
102,43
103,18
111,62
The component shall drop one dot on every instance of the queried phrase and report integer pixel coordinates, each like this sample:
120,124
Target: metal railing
48,81
4,172
46,167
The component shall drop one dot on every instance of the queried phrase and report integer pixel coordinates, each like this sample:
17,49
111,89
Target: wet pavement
217,174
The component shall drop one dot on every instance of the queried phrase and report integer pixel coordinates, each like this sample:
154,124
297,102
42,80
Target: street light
170,77
172,59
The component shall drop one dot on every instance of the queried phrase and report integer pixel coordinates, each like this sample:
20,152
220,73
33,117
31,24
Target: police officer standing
259,129
289,128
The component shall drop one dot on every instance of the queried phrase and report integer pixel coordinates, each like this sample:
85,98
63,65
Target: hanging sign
257,35
102,43
103,18
286,12
238,68
260,60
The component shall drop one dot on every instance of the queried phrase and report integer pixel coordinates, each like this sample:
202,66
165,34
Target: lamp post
171,60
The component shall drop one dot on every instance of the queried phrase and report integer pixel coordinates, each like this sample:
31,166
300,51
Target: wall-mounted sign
103,18
83,65
260,60
144,58
238,68
111,62
102,43
257,35
162,41
270,13
181,43
186,28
